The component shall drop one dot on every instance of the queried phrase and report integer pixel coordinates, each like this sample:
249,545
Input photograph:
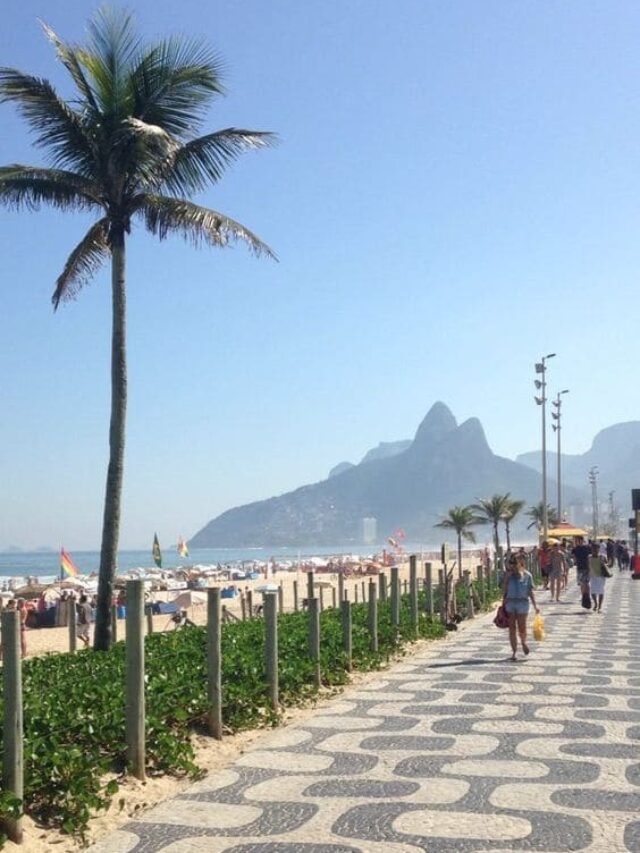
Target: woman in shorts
517,589
597,577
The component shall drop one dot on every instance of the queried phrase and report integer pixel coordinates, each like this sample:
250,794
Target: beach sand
44,640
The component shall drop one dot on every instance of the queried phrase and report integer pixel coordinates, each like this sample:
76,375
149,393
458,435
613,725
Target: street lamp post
593,479
557,428
541,385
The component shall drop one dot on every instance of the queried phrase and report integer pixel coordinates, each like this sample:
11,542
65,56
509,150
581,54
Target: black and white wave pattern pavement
453,749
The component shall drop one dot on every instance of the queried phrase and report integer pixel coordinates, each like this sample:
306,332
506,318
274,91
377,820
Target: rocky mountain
444,465
340,468
383,451
616,453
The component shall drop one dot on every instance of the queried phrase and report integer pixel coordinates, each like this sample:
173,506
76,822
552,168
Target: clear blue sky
457,192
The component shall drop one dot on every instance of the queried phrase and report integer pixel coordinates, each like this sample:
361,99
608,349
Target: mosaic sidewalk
453,749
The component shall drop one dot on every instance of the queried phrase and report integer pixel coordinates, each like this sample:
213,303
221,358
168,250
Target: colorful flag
182,547
155,551
67,566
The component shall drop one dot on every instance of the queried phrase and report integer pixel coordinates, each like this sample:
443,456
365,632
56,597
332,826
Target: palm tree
536,514
461,519
513,508
493,510
125,148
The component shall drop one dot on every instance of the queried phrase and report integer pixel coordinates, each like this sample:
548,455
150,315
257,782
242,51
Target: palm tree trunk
506,526
460,554
496,537
113,494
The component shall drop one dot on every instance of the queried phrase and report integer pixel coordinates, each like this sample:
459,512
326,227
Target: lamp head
539,400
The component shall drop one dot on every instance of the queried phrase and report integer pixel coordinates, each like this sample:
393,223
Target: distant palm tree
125,149
461,519
513,508
536,514
493,510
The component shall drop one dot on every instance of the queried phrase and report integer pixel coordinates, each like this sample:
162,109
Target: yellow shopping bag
538,627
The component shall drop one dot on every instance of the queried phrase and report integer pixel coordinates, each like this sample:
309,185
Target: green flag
157,554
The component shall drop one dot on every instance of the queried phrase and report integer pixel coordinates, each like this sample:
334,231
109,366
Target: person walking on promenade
544,561
517,591
557,565
597,577
581,553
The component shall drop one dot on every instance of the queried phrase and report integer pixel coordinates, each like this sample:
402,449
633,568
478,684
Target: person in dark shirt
581,553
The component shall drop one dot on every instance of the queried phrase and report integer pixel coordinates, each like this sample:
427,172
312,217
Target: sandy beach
48,640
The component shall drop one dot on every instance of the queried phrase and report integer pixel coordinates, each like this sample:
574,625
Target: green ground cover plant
74,704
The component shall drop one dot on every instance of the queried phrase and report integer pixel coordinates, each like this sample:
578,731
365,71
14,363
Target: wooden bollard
382,586
444,594
481,587
395,597
214,663
333,597
321,590
345,610
341,586
310,585
428,573
134,669
148,612
364,591
404,587
280,599
243,606
373,615
114,623
295,596
72,615
12,728
271,648
314,639
413,593
249,604
355,594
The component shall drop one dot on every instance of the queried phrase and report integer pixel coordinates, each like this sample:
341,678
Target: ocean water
46,564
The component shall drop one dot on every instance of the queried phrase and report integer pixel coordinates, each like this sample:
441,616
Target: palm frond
69,58
199,225
59,129
173,82
31,186
109,58
203,160
87,257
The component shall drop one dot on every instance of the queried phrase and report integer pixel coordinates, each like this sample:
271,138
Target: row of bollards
138,618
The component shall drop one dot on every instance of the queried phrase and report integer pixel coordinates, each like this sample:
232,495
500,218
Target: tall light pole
541,385
593,479
557,428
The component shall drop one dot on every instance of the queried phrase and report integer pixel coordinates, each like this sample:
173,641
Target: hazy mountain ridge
616,453
445,464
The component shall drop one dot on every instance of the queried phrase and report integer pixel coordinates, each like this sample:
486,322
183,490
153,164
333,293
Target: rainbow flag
156,553
67,566
182,547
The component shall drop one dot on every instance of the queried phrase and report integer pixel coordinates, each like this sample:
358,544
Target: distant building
369,530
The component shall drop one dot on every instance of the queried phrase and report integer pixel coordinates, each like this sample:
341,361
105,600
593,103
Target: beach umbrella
190,598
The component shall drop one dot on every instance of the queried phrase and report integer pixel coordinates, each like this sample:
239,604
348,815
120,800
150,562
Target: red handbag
501,619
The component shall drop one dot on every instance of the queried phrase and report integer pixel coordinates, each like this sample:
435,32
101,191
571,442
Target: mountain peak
438,422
